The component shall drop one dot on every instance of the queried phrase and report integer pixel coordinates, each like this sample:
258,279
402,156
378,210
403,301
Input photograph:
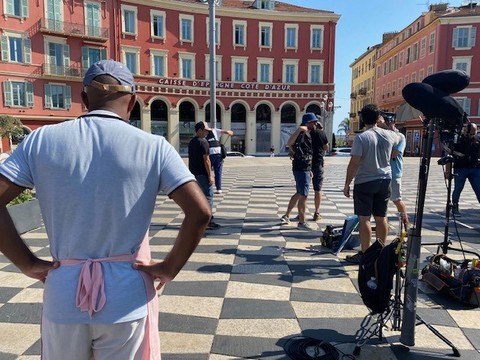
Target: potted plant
24,209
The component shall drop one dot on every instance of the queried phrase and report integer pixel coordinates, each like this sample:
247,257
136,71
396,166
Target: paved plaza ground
254,283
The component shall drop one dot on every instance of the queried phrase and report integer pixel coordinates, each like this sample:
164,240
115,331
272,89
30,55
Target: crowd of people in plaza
100,287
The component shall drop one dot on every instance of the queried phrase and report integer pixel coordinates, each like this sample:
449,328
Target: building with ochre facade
274,62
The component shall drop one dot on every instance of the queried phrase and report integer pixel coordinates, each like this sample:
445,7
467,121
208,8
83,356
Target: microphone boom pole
407,336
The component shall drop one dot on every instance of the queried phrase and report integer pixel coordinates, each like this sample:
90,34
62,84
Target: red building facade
442,38
272,66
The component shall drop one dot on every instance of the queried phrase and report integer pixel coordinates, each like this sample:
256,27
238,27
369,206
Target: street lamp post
327,113
212,64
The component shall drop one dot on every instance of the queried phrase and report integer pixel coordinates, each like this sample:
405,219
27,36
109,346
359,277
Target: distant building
442,38
275,61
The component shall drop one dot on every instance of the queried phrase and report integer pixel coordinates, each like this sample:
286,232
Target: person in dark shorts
301,167
370,166
200,166
319,146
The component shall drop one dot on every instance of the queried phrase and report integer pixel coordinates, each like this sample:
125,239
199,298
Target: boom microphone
432,102
449,81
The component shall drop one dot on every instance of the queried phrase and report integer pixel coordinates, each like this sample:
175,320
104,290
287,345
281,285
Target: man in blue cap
97,179
300,144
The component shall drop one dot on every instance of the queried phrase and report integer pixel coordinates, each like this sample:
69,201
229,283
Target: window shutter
29,94
66,57
468,102
27,50
85,62
68,97
103,54
7,93
9,7
48,96
4,43
24,8
455,38
473,35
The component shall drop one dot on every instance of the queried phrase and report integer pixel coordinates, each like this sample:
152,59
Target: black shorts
371,198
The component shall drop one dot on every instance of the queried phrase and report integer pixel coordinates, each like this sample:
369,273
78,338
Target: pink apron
91,293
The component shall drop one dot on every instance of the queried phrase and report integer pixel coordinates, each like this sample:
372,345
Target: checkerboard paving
254,283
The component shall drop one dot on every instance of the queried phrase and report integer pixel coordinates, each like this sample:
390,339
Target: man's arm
351,172
11,244
226,132
293,137
197,212
208,167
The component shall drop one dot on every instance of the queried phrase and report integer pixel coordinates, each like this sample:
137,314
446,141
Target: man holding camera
466,165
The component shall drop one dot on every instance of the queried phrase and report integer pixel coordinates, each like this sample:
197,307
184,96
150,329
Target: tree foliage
344,126
10,126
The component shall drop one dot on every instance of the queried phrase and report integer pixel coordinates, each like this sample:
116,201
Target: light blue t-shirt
96,180
397,163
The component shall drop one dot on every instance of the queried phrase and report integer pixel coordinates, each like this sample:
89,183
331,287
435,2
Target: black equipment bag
454,278
332,236
223,151
379,262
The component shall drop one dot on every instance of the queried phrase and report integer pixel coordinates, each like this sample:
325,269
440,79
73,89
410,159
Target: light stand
410,316
445,245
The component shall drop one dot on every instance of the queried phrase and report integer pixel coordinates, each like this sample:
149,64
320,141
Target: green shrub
25,196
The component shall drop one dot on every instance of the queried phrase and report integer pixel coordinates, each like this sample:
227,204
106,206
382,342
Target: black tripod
410,316
446,244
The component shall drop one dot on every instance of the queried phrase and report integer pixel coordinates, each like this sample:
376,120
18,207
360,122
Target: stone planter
26,216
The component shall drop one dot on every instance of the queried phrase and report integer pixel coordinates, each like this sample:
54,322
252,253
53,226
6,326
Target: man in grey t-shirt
370,166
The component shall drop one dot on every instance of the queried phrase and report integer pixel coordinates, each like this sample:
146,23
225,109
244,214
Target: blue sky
362,24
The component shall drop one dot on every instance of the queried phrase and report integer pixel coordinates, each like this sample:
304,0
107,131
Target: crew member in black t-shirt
200,166
319,146
466,164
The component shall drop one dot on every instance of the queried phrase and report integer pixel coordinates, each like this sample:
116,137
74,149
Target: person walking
319,146
97,198
396,165
466,164
272,151
370,166
213,138
300,143
200,166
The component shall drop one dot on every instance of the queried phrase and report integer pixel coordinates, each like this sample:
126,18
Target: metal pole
213,74
407,336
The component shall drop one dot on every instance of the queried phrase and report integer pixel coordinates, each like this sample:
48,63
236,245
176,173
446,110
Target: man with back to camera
319,146
301,168
97,205
370,166
466,164
200,166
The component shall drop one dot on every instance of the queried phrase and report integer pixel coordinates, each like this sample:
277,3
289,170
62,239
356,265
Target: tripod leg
456,353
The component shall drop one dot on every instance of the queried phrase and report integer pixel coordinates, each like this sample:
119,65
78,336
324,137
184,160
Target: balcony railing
73,29
362,91
63,71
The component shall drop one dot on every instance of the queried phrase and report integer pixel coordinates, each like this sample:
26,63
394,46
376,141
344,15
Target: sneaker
306,226
354,259
212,226
219,191
295,218
285,220
316,216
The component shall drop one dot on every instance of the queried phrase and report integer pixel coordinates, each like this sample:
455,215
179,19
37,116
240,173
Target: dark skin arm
11,244
197,212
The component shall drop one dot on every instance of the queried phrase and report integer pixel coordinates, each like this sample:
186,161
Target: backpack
379,262
301,152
